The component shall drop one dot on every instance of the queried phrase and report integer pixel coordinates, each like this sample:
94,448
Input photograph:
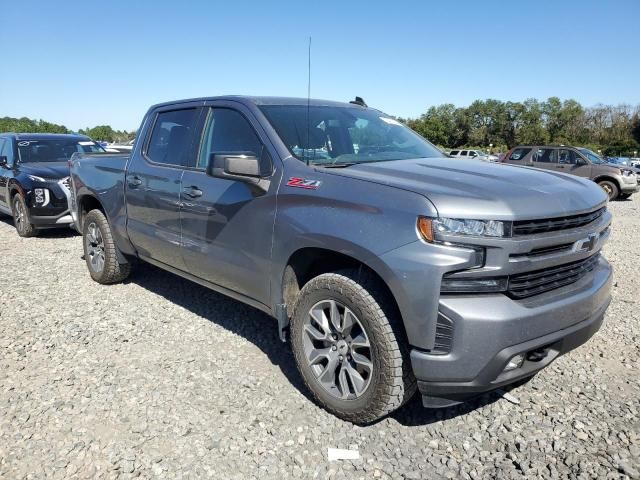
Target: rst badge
306,183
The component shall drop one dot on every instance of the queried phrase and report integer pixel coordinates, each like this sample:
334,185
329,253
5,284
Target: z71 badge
303,183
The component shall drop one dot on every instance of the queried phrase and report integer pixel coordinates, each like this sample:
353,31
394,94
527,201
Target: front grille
533,283
444,335
529,227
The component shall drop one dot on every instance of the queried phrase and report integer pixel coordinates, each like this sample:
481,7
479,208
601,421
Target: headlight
35,178
431,227
473,285
626,173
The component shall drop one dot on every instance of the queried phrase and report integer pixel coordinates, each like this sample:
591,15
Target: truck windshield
54,150
338,136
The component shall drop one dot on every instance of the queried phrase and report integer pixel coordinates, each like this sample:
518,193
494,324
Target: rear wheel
100,251
349,355
21,219
610,188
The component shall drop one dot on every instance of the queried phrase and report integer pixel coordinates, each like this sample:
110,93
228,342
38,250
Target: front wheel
610,188
21,219
100,251
346,349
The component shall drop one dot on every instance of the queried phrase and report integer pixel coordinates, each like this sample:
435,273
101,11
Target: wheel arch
308,262
86,203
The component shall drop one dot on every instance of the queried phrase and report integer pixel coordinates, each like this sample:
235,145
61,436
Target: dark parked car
34,178
618,181
390,266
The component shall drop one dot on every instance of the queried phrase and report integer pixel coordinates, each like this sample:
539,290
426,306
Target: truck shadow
260,329
62,232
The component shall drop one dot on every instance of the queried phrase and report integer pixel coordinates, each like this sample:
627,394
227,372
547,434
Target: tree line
614,130
101,132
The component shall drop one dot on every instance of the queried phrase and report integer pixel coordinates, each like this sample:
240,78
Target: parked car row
618,181
474,154
389,267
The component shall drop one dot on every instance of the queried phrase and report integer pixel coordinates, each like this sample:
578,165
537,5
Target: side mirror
3,161
239,166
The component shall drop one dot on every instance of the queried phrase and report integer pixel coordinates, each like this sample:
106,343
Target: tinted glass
546,155
463,152
170,140
227,131
519,153
454,152
337,135
54,149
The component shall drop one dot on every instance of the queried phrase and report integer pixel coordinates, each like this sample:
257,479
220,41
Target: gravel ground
161,378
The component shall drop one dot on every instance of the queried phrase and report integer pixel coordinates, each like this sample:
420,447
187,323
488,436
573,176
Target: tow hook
537,355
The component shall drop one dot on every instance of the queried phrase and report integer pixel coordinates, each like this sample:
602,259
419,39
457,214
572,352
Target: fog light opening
515,362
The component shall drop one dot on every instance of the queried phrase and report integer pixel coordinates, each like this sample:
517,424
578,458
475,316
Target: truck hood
483,190
52,170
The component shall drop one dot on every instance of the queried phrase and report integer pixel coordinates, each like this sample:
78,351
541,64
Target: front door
153,185
227,224
569,161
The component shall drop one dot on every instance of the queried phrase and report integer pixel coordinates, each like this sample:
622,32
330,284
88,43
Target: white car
475,154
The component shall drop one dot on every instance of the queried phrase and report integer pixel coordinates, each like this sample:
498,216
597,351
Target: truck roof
257,100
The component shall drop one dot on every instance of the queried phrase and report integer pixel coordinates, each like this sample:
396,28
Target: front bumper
630,187
490,329
55,211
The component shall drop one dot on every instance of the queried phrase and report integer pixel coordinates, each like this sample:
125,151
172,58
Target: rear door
153,183
545,158
227,224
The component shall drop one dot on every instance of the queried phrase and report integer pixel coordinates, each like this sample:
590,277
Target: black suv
34,178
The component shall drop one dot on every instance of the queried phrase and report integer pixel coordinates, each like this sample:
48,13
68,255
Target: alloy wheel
19,215
337,349
95,247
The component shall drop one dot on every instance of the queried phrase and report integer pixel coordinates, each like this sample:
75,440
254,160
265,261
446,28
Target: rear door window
546,155
463,153
519,154
171,138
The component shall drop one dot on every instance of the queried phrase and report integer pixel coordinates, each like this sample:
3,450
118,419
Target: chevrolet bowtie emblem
589,243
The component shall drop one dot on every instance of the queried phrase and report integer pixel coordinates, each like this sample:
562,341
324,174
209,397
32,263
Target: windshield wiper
335,165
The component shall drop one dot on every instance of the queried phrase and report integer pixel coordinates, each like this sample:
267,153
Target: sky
85,63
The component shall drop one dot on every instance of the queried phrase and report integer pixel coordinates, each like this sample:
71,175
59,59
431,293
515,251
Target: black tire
96,238
610,188
392,382
21,219
624,196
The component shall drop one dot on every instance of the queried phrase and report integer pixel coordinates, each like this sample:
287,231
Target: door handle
193,192
135,182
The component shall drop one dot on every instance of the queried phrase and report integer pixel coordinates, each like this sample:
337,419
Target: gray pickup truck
388,267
